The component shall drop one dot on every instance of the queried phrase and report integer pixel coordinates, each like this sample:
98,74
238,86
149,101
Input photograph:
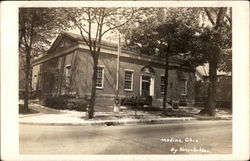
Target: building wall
49,77
53,77
109,62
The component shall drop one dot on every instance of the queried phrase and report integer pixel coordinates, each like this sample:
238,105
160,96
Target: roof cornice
107,48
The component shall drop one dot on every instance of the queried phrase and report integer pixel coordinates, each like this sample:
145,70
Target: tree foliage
217,34
37,26
167,32
216,44
201,34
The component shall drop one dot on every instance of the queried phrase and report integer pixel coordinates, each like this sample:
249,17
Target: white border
9,79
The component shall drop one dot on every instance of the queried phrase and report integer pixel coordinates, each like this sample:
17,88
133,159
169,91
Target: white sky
203,70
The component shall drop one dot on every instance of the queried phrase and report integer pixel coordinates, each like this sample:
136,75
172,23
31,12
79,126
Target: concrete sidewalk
48,116
60,119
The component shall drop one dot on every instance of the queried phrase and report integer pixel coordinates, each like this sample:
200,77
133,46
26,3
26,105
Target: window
67,74
62,44
128,81
100,77
39,81
183,86
34,82
162,84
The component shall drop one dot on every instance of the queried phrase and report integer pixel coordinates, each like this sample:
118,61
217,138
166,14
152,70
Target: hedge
67,102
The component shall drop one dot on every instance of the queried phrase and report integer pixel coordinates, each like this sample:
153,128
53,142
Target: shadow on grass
25,111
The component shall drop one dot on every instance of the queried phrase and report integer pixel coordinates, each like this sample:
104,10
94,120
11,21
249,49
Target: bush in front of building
223,104
134,101
66,102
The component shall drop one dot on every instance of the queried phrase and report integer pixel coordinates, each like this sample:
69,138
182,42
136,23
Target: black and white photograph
153,80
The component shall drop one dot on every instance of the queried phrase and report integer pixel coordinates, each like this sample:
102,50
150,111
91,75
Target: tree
216,40
169,32
37,26
93,24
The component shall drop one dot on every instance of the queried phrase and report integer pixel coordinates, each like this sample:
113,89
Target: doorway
147,86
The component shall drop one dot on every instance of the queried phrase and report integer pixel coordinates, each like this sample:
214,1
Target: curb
214,118
30,115
115,122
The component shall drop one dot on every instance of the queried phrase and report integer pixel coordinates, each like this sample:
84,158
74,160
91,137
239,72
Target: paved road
201,137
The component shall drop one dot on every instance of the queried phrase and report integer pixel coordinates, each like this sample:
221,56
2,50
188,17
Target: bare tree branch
107,13
31,31
79,25
83,37
100,35
117,26
81,31
25,39
229,19
209,16
90,39
98,24
219,17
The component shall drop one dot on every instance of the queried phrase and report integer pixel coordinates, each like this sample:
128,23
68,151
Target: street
197,137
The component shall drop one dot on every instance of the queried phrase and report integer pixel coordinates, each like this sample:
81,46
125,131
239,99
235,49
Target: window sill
128,90
99,87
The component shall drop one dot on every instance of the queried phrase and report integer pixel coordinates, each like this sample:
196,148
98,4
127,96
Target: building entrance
145,86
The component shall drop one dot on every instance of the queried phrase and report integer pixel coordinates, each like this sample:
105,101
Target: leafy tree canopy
37,27
171,31
217,37
188,31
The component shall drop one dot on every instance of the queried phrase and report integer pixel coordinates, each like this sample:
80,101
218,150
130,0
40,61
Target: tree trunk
165,86
212,84
27,80
93,90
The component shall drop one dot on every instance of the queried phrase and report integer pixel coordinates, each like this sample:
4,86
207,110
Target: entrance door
145,86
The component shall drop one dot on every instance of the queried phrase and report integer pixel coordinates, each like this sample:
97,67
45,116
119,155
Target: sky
203,70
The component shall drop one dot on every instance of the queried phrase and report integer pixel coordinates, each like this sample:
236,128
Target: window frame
100,87
132,80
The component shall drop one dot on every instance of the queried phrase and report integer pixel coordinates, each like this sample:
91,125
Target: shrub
79,104
223,104
133,101
67,102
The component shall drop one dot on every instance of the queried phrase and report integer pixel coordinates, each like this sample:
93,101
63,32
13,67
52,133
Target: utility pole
117,99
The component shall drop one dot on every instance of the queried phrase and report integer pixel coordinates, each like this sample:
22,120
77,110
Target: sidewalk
48,116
